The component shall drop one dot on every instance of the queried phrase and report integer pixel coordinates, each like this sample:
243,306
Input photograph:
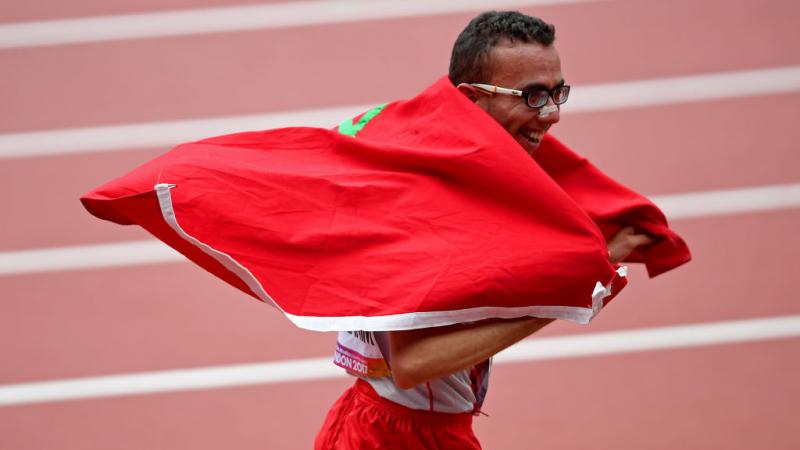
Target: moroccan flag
418,213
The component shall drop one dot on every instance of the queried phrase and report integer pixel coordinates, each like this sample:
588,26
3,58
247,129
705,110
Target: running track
681,361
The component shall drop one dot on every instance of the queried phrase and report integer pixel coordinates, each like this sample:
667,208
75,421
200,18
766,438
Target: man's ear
470,91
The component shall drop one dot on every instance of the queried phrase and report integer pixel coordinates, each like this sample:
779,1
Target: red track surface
157,317
363,62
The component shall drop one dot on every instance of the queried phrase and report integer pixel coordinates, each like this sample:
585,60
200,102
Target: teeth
532,135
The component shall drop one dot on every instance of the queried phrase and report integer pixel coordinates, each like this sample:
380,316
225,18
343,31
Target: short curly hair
469,62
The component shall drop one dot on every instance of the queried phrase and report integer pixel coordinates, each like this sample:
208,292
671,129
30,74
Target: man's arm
422,355
419,356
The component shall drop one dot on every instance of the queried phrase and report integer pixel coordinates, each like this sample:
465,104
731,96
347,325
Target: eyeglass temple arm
496,89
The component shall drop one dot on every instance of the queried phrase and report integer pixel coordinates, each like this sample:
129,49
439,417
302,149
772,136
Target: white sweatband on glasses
546,110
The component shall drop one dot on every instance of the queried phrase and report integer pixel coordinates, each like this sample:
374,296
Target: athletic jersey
366,355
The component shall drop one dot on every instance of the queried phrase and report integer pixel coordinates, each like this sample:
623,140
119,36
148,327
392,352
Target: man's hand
625,242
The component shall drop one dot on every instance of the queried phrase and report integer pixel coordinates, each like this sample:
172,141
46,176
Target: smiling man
428,383
507,64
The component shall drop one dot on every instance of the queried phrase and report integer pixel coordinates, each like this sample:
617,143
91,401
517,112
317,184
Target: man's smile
533,137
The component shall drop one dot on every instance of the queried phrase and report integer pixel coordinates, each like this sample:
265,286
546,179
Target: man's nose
552,117
552,112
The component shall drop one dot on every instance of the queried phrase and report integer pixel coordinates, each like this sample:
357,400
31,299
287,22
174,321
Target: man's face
526,67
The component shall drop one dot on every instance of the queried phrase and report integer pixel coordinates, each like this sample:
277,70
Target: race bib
359,354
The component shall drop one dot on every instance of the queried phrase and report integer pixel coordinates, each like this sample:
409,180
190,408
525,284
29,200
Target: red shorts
361,419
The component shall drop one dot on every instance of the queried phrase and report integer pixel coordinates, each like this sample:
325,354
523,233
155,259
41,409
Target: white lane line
693,88
162,134
678,206
532,349
169,381
656,338
598,97
238,18
729,201
117,254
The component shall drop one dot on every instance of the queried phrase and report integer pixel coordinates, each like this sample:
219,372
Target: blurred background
110,341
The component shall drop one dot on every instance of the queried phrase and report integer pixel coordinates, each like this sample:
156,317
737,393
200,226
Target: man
506,63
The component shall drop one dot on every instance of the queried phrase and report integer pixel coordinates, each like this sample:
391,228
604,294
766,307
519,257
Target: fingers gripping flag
418,213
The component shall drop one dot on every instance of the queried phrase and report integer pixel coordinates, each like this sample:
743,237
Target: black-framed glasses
534,99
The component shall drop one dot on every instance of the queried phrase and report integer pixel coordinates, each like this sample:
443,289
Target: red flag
613,206
425,213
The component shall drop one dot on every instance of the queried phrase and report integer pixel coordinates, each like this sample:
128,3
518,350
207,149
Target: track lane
282,416
254,72
134,319
731,276
311,369
661,400
733,397
235,18
691,146
177,316
43,197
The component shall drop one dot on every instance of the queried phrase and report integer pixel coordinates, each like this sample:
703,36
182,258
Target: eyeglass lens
538,99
